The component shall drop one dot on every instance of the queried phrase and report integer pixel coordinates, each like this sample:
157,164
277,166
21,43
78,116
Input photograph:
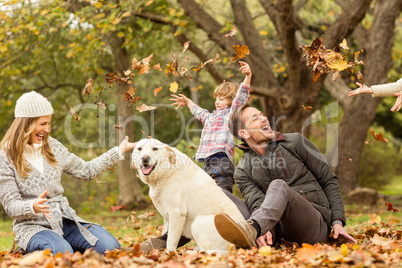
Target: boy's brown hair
227,90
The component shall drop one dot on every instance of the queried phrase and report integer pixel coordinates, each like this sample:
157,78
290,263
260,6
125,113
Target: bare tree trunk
360,112
130,194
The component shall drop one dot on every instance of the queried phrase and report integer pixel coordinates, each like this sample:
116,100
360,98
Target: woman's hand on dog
125,145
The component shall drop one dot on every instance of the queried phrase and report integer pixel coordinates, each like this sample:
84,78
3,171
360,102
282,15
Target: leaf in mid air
143,107
378,136
88,87
232,32
76,117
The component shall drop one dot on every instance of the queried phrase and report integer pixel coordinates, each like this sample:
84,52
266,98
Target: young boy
217,144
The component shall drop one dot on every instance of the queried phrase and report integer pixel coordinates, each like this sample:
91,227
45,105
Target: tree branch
182,38
258,56
351,16
338,90
208,24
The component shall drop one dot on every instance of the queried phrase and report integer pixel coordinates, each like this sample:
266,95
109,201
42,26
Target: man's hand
265,240
40,207
341,233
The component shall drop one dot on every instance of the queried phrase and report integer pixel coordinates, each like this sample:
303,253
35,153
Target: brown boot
241,233
152,243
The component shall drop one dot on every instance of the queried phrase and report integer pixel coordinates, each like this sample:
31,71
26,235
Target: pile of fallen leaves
379,245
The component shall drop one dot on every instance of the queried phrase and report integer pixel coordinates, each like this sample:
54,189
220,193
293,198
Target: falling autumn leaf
129,96
232,32
119,128
101,104
324,61
349,159
156,91
336,61
191,147
136,65
88,87
76,117
142,131
241,51
344,45
390,207
114,208
110,78
144,69
147,60
157,67
212,60
359,76
143,107
308,107
186,45
174,87
378,136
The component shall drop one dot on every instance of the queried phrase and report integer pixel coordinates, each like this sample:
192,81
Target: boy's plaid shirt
216,136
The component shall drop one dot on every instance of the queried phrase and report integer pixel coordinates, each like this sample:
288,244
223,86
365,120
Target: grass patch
6,235
394,188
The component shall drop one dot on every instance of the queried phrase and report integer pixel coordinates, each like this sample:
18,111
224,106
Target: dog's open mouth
146,169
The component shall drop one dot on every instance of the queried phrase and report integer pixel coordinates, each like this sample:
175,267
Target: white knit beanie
32,104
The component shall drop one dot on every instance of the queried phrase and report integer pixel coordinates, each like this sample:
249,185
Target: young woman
384,90
31,164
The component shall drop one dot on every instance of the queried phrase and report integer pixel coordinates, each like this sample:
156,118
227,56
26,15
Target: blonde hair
227,90
17,138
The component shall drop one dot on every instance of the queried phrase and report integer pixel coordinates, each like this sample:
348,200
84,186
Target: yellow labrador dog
185,196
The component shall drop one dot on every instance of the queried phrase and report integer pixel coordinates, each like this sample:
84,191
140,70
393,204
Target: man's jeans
72,239
298,220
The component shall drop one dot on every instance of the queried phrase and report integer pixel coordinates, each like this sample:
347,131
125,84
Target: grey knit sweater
16,193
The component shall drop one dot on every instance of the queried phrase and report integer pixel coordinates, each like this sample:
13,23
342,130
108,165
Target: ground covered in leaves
379,245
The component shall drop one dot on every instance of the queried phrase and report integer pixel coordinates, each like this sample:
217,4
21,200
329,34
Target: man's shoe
242,234
152,243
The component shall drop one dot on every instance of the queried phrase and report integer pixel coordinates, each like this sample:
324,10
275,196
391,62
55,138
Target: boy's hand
245,68
180,100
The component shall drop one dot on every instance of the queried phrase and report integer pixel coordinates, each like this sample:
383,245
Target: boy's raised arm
182,100
245,68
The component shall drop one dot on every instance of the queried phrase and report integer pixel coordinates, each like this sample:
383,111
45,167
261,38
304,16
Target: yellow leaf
263,33
97,5
116,21
265,251
70,54
344,250
344,45
120,34
336,61
174,87
126,14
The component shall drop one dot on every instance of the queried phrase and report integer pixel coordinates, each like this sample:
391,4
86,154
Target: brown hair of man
235,123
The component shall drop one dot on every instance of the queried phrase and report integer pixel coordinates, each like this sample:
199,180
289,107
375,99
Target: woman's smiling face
42,128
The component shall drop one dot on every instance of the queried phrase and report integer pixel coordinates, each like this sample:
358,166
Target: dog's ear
172,155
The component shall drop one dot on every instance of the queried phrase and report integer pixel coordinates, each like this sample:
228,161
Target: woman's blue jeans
72,239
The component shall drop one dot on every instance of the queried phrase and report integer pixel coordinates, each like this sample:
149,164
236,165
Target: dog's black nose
145,159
